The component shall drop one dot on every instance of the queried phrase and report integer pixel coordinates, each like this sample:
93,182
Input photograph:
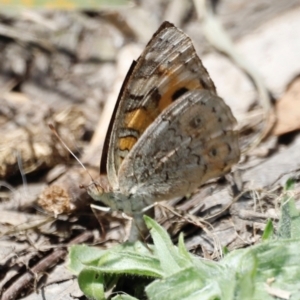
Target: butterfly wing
190,142
167,69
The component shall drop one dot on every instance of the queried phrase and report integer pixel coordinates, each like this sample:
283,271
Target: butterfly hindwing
192,141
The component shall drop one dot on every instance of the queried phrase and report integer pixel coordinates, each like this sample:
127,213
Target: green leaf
124,297
178,286
276,259
182,249
91,282
289,224
170,259
82,255
241,275
289,185
10,5
269,231
127,262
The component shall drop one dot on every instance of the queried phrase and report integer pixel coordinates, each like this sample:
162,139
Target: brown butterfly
169,132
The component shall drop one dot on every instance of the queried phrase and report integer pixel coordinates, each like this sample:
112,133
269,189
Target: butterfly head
119,202
102,191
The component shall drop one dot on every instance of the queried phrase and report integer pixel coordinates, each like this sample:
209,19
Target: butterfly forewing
167,69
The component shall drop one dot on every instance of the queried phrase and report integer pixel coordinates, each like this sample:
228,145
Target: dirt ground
66,68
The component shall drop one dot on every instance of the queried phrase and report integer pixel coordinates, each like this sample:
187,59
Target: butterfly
169,132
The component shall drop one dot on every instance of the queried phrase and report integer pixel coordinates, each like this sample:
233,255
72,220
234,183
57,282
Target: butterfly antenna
70,151
24,179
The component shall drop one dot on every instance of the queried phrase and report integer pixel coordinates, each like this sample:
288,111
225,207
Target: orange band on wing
141,118
138,119
176,84
126,143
